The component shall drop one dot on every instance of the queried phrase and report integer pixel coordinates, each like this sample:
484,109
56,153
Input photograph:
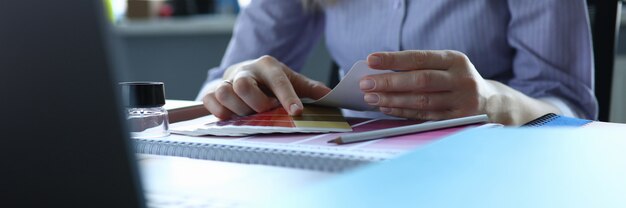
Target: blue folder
524,167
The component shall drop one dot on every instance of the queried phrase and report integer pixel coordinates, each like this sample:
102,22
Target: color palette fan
314,119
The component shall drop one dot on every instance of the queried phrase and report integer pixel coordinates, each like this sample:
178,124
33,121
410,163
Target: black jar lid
143,94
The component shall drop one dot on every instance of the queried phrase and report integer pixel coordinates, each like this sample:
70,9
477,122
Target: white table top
222,180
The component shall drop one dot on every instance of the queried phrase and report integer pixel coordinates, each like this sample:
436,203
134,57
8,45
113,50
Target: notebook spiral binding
253,155
541,120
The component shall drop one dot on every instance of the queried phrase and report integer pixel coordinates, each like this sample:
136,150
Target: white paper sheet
347,93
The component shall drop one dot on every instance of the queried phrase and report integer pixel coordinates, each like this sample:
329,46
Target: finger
420,81
416,101
280,85
414,59
247,89
217,109
306,87
418,114
226,96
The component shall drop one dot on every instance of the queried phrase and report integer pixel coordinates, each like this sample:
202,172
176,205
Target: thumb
309,88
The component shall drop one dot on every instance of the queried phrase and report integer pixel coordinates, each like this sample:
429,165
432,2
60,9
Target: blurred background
177,41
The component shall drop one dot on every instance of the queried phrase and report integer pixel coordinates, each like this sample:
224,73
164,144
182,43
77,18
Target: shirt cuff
565,108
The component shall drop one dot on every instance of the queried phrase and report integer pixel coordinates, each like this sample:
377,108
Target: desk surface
221,180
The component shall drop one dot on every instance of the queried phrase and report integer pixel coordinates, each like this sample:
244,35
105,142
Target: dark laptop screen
63,139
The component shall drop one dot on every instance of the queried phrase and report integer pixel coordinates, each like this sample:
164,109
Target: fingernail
367,84
385,110
294,108
371,98
374,60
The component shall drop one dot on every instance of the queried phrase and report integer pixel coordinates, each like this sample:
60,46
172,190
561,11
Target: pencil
382,133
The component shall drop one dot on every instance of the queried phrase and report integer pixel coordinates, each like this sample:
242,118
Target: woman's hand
436,85
260,85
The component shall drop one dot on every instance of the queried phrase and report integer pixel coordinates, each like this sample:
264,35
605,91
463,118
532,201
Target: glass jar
147,122
145,114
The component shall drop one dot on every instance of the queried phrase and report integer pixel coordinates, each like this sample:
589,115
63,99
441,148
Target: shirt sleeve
553,52
566,109
280,28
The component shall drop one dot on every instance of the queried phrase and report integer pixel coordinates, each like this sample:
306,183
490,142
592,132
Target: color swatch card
314,119
347,93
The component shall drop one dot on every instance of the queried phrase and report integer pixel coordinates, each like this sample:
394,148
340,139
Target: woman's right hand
260,85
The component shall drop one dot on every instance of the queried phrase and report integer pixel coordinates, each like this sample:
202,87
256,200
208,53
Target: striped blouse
539,47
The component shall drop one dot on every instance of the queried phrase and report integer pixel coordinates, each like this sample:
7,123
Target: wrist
500,105
511,107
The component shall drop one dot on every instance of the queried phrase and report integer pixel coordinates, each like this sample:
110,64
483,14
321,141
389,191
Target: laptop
63,137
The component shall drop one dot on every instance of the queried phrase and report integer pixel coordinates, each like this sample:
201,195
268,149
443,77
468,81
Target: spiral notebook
300,150
554,120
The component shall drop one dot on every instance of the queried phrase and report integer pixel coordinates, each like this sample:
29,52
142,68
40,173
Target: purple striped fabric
539,47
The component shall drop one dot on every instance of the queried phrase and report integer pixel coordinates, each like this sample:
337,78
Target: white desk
222,180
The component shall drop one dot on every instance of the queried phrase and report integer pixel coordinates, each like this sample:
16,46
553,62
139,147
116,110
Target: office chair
604,16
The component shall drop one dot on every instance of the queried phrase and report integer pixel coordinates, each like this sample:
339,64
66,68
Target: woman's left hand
436,85
427,85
